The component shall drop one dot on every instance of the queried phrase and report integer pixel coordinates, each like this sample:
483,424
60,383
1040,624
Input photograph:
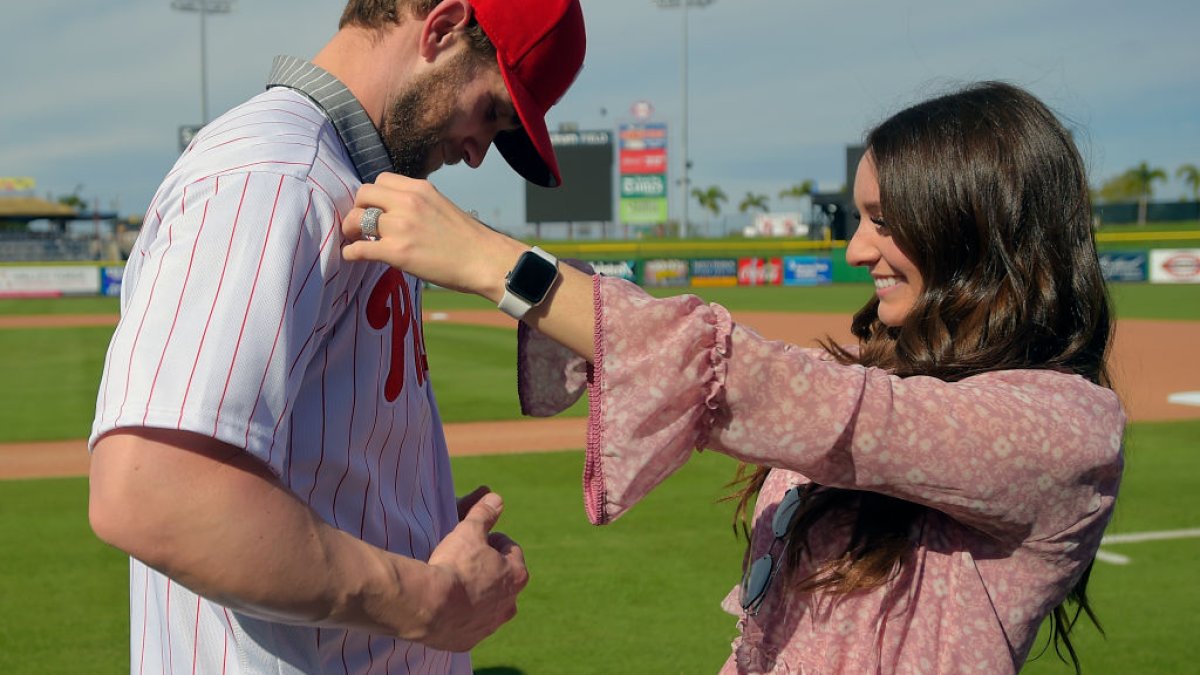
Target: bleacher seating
45,247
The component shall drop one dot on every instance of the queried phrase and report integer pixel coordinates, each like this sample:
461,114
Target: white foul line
1135,537
1185,398
1112,558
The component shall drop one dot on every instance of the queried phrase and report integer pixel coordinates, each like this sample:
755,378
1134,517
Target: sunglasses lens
785,513
754,585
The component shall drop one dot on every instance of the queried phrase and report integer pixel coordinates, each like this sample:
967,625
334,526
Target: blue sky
96,89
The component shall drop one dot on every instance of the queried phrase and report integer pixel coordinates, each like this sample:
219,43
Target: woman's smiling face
898,282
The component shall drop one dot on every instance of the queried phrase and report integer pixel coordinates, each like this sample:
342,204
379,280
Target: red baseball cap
539,46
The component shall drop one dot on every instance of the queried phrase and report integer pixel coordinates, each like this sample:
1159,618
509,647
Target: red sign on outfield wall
760,271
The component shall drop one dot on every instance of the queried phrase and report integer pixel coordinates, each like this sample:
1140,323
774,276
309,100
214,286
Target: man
266,446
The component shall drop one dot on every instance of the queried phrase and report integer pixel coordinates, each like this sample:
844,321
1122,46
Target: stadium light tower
683,129
204,8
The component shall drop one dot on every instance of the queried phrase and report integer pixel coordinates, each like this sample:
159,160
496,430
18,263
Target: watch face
532,277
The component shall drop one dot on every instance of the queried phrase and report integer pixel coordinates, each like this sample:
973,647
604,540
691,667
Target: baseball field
639,596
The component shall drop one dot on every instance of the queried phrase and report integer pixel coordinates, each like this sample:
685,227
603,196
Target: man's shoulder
279,131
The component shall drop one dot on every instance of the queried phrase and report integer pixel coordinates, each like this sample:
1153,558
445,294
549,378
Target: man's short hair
379,14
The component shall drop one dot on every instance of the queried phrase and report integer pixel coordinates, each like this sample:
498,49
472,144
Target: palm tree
1143,177
753,201
798,190
1190,176
710,198
1119,188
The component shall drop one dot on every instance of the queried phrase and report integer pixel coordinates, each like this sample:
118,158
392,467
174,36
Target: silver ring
370,223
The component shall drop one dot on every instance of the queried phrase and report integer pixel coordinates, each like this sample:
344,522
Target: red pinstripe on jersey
212,309
275,342
349,432
196,637
249,303
145,614
133,348
179,305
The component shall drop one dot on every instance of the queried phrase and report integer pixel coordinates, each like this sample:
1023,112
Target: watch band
514,305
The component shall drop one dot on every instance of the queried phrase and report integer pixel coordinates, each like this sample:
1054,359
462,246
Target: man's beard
419,119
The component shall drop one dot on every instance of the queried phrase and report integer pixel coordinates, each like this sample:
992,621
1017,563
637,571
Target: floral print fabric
1018,470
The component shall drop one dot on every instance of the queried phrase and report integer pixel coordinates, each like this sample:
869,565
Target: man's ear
443,27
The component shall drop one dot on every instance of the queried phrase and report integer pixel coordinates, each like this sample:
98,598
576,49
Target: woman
923,499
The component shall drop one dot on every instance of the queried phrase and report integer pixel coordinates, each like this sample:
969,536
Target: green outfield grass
638,596
1132,300
70,305
471,366
51,379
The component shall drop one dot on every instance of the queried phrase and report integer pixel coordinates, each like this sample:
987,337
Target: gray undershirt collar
355,128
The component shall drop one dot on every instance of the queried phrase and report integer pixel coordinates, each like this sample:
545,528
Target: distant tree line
1134,185
1137,184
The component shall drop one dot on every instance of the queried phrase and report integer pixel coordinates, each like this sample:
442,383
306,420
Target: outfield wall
1160,266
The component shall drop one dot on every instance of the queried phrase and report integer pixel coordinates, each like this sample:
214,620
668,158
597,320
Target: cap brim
528,150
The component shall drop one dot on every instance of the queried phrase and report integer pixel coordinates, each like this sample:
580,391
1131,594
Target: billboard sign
643,185
643,136
807,271
620,269
1124,266
715,272
760,272
671,272
1175,266
642,161
17,184
634,210
48,281
110,280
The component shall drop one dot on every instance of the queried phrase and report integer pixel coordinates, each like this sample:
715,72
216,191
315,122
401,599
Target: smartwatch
528,282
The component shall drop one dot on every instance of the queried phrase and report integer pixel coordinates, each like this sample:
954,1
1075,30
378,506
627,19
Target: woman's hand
424,233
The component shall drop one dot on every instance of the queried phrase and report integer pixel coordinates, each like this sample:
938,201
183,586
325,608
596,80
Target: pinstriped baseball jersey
241,321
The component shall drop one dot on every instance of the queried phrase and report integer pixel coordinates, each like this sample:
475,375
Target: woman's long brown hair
985,191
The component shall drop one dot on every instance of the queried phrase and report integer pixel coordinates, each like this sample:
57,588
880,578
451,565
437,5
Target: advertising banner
807,271
669,272
1175,266
1124,266
621,269
48,281
639,185
643,136
17,184
643,161
760,271
644,210
110,280
642,158
715,272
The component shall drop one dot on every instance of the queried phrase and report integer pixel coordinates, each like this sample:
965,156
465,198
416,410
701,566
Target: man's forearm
214,519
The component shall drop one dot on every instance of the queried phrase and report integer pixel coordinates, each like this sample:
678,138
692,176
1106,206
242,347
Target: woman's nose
860,250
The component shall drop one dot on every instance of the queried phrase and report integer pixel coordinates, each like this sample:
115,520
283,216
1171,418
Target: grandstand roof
32,208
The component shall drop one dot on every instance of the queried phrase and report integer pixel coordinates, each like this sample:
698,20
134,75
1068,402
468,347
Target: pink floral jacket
1019,470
